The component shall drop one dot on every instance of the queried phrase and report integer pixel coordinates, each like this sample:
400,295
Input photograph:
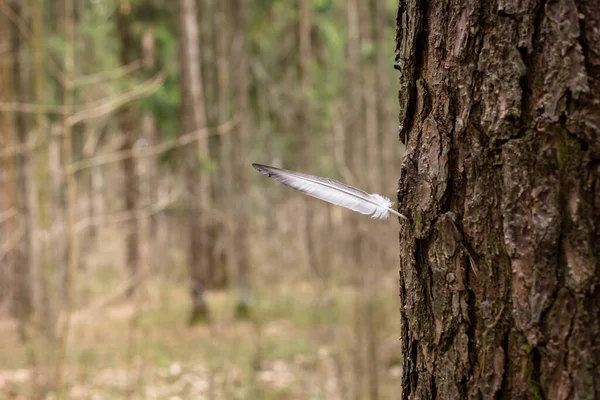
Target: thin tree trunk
130,134
149,133
305,124
242,146
226,168
371,174
70,191
26,250
198,180
211,59
500,113
7,174
148,166
356,143
45,314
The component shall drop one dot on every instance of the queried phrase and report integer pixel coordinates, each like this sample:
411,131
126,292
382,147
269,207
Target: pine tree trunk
241,147
500,113
8,239
130,135
26,250
198,185
304,126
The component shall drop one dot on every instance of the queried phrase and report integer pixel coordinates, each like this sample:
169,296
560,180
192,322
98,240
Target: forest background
140,254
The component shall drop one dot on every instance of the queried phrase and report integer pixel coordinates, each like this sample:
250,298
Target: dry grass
301,343
298,346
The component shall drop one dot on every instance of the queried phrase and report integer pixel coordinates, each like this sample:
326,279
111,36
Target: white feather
333,192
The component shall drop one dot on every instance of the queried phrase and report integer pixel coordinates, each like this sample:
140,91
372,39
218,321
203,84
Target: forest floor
302,342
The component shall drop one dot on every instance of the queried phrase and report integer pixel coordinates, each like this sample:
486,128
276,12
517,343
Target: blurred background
141,256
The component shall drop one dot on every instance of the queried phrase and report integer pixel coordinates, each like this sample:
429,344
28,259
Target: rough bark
198,184
500,113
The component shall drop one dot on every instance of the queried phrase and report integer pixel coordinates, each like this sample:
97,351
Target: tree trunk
198,184
500,113
225,155
44,302
214,51
148,167
130,135
241,147
305,126
26,250
7,176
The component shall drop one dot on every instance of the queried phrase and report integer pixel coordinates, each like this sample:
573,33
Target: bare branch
89,110
108,75
121,216
146,89
153,150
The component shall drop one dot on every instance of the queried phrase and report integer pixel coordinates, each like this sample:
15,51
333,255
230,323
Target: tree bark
198,184
500,113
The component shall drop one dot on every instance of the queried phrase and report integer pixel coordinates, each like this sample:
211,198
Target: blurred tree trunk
356,152
69,191
499,278
225,254
149,163
215,14
7,175
305,125
371,154
381,89
196,157
128,129
25,255
45,312
240,151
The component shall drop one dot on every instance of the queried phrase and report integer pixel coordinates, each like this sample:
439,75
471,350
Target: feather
333,192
